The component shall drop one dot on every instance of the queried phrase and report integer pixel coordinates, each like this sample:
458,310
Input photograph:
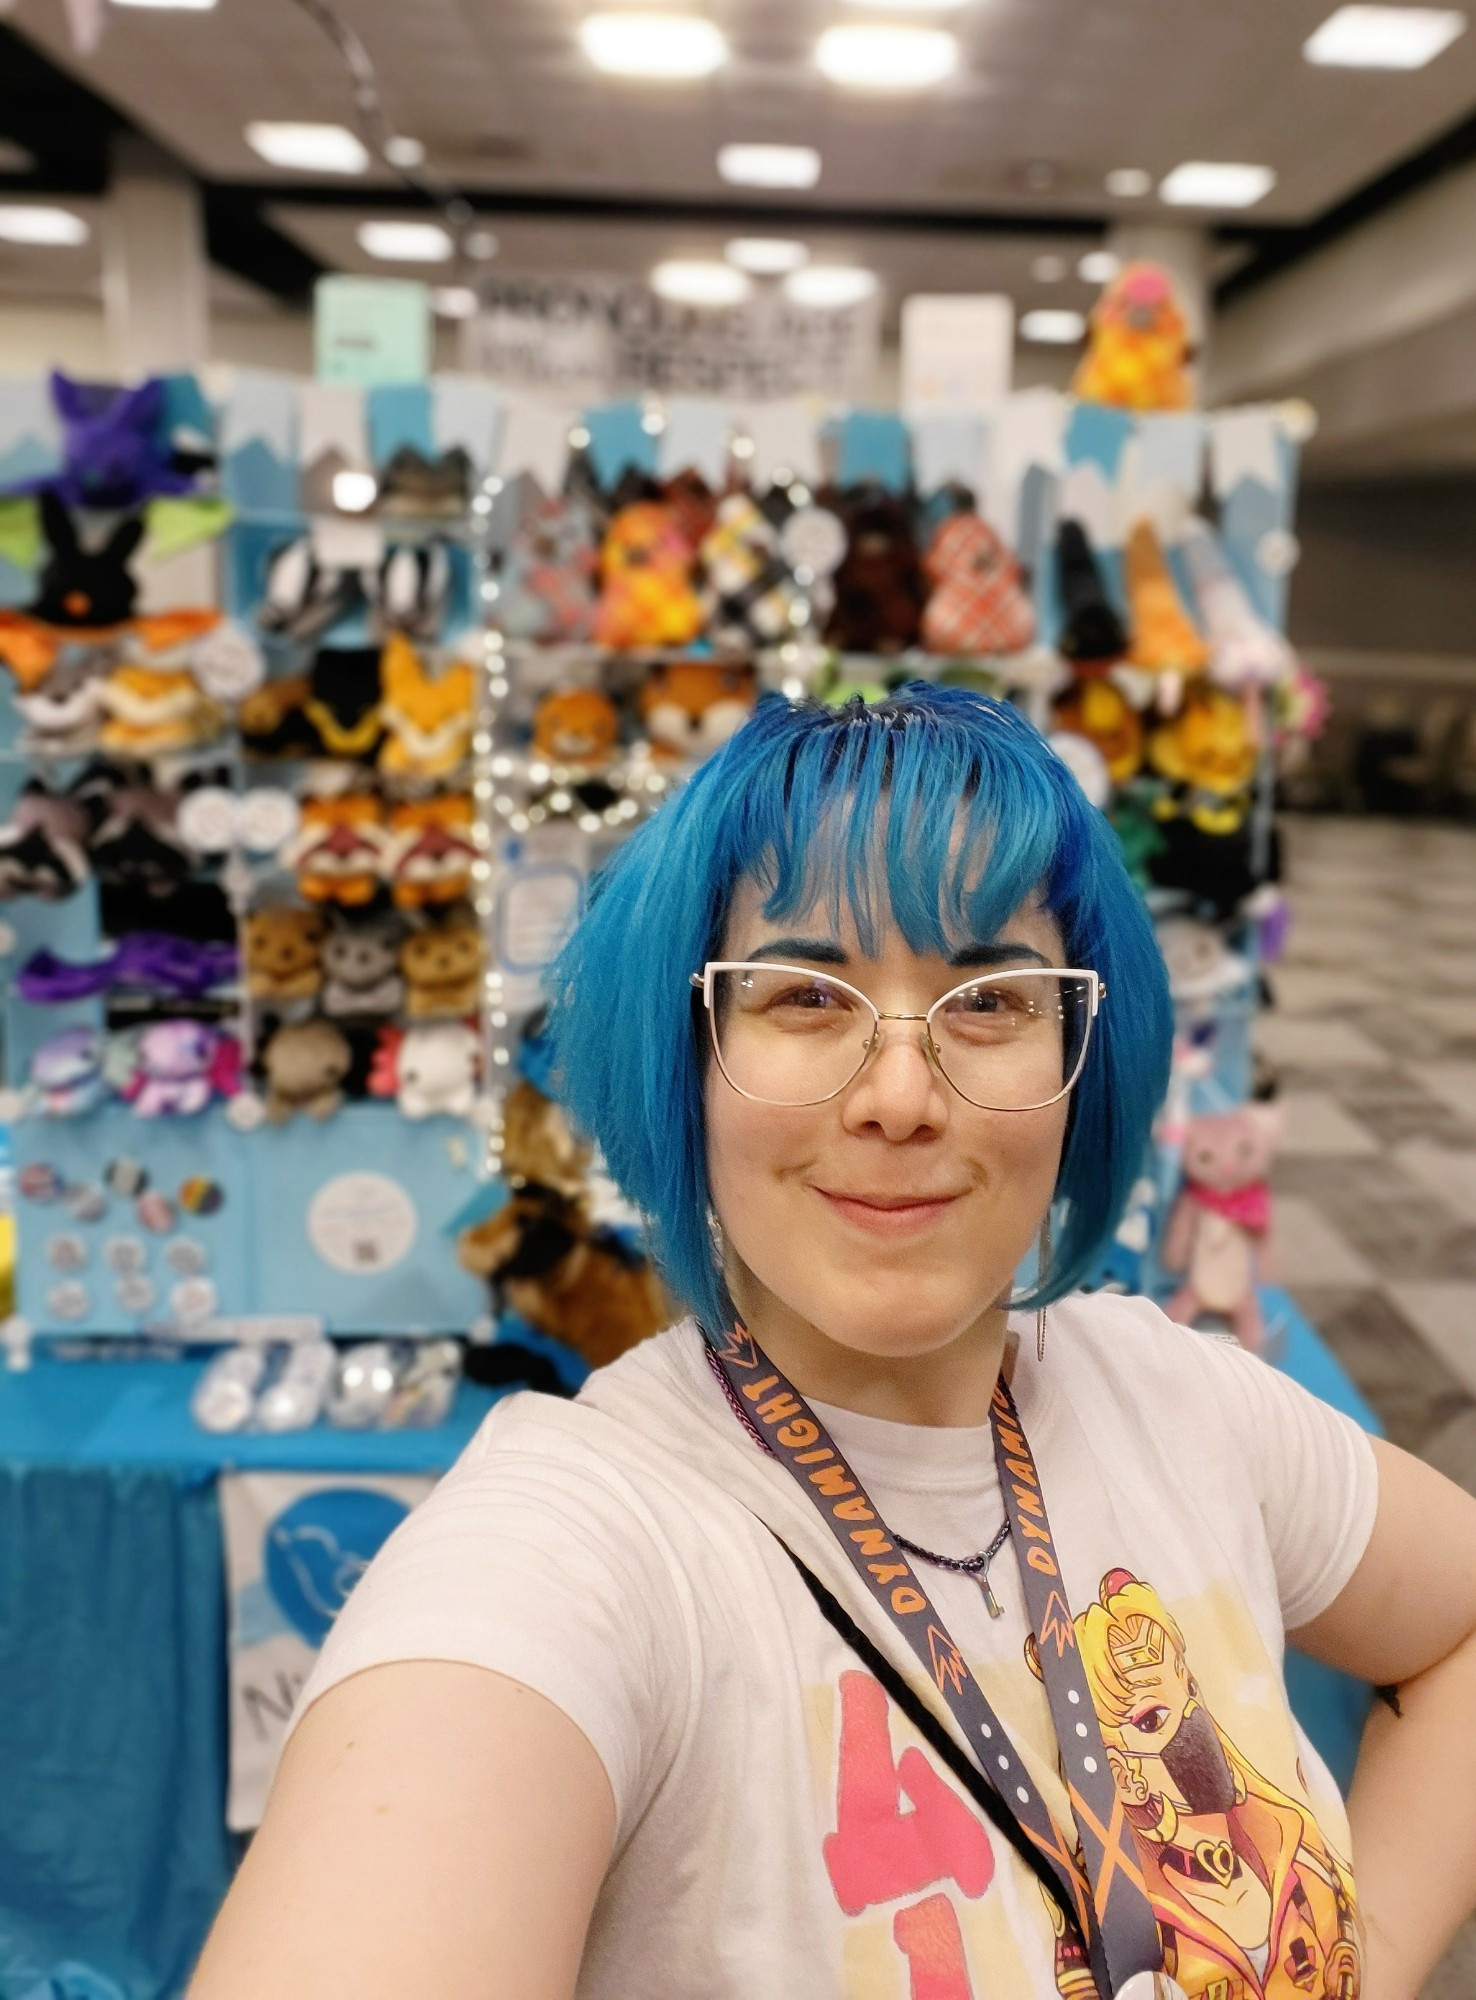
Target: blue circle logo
317,1549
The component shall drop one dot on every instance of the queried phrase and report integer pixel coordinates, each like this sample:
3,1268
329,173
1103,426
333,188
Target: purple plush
113,452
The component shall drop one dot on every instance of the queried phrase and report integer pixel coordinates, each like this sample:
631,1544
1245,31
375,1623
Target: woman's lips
891,1215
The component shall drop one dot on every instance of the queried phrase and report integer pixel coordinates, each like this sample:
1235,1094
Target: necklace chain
975,1566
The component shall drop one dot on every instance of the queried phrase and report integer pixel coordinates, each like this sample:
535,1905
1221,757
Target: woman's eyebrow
1004,953
812,951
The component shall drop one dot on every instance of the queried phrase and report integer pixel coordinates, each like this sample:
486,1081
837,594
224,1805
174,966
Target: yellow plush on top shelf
1137,354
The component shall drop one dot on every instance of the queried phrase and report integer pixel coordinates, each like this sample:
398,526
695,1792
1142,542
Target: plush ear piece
400,585
124,539
56,523
67,397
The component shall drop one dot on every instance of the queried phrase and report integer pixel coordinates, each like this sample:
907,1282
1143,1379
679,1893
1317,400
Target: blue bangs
938,809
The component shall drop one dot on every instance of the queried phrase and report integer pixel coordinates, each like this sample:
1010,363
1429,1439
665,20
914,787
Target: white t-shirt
782,1829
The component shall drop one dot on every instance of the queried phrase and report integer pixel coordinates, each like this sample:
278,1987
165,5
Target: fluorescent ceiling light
405,242
693,281
1049,270
1127,183
1052,327
1216,184
454,302
53,228
1099,267
829,285
666,47
1384,37
315,149
886,58
769,166
767,256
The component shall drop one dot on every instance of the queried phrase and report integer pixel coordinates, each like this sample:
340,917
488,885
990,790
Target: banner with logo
295,1546
584,339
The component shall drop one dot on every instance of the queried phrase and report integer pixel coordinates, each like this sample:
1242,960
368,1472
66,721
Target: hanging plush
753,597
150,712
344,702
1103,715
979,603
647,597
547,587
442,965
1166,643
134,843
427,717
412,590
181,1067
430,1070
283,951
432,850
691,707
305,1064
273,722
115,452
341,849
878,586
84,596
43,845
67,1073
1092,635
1210,753
62,714
361,969
1222,1218
301,597
1248,656
576,726
1137,354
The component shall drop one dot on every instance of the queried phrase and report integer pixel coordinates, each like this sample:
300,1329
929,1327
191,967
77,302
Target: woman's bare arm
1407,1620
435,1832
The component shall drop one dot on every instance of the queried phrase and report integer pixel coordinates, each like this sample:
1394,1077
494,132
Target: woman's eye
1151,1721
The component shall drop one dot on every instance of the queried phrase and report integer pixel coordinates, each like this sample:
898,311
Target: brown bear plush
539,1145
879,585
284,952
442,964
305,1063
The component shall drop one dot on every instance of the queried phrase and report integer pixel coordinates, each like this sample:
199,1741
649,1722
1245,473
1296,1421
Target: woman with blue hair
887,1626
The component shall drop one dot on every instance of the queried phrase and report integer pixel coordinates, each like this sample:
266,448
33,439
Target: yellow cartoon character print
1252,1902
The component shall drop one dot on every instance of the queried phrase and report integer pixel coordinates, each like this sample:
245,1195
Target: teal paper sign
368,331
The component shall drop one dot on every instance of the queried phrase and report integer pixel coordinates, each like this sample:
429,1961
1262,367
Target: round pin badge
123,1254
85,1203
155,1212
66,1253
40,1183
193,1300
200,1195
136,1293
70,1301
187,1258
126,1178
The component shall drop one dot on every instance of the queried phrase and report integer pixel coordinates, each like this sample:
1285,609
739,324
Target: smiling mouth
888,1215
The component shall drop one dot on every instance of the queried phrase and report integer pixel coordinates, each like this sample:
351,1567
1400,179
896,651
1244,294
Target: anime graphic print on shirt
1253,1901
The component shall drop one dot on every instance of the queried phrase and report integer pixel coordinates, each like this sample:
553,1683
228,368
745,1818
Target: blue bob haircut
945,806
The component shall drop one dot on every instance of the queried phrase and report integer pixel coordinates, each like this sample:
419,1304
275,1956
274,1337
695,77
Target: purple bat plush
114,453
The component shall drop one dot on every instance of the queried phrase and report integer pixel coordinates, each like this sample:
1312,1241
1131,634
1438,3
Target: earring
1043,1263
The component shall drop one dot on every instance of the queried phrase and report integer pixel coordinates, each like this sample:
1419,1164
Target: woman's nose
899,1090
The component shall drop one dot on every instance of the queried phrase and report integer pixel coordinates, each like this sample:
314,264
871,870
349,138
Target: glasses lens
787,1037
1015,1040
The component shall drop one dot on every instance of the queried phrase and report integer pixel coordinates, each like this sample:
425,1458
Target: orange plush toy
1102,714
1138,354
647,597
578,726
433,850
691,707
1166,643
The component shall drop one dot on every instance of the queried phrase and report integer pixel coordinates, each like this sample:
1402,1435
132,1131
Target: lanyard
1098,1877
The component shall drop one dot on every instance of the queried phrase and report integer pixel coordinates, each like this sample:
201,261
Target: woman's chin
896,1329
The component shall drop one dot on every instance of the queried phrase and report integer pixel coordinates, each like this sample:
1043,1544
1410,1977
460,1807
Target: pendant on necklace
991,1603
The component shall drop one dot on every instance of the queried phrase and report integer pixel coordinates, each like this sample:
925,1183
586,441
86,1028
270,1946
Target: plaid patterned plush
648,599
978,603
753,591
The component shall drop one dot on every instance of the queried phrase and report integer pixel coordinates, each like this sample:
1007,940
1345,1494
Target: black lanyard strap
978,1787
1097,1880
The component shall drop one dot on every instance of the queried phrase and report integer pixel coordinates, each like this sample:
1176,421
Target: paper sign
958,352
371,330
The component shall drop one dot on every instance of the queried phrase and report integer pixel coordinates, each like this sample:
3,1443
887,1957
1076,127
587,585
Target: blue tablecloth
114,1854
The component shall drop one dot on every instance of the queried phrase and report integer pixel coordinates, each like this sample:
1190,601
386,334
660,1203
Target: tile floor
1373,1034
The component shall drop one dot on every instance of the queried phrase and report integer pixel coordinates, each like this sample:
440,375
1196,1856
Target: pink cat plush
1222,1217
